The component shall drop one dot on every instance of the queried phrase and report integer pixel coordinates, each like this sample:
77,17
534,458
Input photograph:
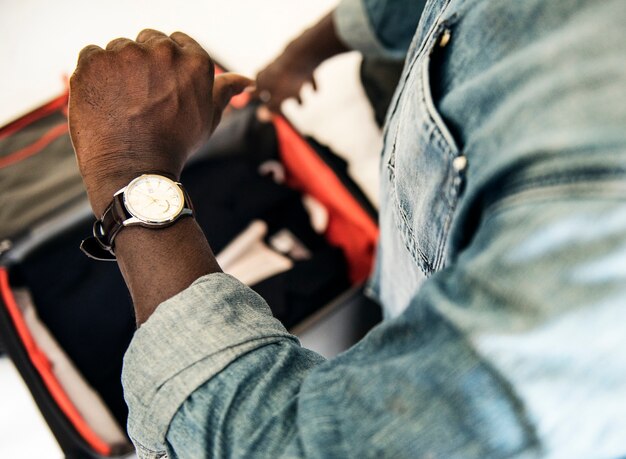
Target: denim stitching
446,136
439,134
410,244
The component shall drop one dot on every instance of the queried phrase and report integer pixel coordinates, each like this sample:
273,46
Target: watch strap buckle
94,247
116,216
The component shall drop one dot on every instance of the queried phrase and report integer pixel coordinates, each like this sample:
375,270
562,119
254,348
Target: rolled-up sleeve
378,28
188,340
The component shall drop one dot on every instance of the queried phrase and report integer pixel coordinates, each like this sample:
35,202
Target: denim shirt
501,266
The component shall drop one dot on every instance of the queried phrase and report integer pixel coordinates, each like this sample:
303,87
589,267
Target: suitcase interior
100,336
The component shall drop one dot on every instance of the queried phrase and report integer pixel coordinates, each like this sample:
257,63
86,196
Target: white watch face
154,198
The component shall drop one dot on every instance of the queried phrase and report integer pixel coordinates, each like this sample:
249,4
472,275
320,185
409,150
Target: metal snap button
459,163
445,38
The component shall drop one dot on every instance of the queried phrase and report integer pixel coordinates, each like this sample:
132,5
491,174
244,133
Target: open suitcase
65,320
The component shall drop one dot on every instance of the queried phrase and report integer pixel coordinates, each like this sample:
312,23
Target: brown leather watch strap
113,219
101,245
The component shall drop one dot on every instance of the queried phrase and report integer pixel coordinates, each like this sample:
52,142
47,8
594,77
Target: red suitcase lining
349,228
42,365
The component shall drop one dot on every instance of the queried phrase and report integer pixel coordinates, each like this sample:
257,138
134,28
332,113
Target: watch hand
153,201
145,194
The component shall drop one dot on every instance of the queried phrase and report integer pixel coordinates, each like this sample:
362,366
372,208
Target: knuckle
198,62
88,53
163,47
114,42
179,35
130,49
87,60
145,32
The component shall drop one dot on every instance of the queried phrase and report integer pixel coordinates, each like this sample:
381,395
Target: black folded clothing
86,305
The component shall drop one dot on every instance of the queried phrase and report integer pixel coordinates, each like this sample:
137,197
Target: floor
39,46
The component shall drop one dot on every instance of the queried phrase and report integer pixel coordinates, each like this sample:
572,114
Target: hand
284,77
143,106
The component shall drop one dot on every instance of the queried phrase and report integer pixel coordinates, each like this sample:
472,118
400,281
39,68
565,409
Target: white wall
39,44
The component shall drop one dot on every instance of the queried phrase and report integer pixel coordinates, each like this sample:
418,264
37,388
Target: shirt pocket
424,166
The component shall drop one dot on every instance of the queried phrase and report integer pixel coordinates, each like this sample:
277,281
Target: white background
40,42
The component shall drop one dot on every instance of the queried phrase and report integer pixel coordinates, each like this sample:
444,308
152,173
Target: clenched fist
143,106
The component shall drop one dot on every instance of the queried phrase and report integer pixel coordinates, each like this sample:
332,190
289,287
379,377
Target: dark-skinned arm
285,76
145,106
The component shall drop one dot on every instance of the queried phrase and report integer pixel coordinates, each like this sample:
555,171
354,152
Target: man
501,265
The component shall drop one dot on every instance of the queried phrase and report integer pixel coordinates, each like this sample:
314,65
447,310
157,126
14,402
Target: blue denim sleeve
378,28
418,385
188,340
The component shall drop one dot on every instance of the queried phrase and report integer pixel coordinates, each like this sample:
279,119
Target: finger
263,114
228,85
255,93
225,87
118,43
148,34
88,51
313,83
184,40
274,104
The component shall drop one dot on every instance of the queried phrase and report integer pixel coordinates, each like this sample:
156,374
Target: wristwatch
150,200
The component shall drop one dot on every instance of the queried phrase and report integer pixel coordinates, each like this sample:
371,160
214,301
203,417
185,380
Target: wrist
320,42
102,186
114,168
159,264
